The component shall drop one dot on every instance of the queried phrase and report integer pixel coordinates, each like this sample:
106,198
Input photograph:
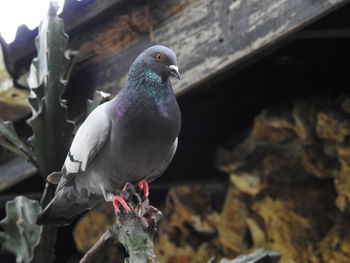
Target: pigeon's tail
50,217
64,207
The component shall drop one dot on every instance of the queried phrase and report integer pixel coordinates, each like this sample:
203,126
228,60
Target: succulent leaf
52,131
10,140
21,234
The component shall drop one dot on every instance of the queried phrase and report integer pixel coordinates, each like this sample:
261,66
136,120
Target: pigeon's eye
159,57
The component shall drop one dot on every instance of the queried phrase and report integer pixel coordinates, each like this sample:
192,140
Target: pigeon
129,139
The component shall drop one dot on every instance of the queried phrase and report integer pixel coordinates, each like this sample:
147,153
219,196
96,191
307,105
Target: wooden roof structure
209,37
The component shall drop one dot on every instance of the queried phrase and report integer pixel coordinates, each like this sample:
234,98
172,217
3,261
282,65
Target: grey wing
88,141
164,164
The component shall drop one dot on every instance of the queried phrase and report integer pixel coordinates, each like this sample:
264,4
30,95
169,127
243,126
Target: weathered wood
209,37
89,11
15,171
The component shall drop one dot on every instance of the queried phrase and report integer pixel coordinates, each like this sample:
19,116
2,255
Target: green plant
48,146
22,235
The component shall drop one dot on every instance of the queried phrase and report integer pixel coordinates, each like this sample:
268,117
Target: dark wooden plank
322,34
77,13
15,171
208,36
212,36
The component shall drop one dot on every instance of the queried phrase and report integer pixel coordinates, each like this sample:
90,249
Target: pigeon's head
160,60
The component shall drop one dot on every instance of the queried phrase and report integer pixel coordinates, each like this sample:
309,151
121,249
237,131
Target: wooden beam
77,13
15,171
322,34
212,36
208,36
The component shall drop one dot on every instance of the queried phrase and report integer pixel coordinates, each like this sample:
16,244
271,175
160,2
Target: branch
98,248
134,230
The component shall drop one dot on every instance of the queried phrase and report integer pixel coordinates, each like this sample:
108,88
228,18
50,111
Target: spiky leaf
10,140
52,132
21,235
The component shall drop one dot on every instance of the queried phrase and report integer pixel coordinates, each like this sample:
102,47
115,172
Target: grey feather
89,139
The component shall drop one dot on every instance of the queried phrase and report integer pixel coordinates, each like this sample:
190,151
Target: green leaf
10,140
52,131
21,235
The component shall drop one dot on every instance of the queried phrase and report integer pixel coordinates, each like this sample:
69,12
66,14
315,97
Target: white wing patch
88,141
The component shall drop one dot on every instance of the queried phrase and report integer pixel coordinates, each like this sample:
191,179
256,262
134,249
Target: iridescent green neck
153,77
153,84
146,82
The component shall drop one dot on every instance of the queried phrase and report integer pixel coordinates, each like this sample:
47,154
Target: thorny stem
134,230
44,252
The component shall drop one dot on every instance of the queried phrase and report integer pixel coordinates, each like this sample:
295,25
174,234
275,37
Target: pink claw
116,200
144,186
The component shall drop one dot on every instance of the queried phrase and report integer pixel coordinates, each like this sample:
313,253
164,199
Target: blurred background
264,151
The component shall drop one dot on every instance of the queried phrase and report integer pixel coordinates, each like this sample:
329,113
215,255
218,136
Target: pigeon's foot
143,185
116,200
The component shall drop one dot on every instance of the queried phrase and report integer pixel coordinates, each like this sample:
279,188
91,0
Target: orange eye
159,57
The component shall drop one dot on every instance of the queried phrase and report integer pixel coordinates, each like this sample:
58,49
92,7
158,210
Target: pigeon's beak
174,71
